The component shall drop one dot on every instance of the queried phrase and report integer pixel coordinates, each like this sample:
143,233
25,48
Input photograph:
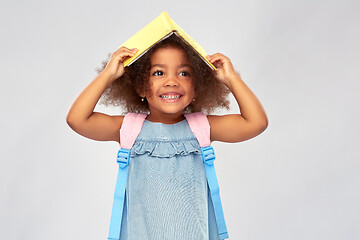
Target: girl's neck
165,118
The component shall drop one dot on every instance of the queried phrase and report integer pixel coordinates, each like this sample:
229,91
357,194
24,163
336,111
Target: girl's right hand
115,66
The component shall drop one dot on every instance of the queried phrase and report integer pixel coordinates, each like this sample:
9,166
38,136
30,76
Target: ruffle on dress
165,147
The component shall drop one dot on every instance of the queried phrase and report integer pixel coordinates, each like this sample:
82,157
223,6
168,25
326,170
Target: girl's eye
185,74
158,73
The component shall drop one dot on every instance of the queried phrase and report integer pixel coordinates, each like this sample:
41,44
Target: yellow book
157,30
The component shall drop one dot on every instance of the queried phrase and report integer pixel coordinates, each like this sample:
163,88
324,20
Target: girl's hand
115,66
225,71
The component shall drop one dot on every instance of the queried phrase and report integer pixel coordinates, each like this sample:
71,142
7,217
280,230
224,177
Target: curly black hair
211,93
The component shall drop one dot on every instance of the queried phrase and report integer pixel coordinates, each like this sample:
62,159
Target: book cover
157,30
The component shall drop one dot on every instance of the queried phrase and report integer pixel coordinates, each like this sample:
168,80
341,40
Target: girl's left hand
225,71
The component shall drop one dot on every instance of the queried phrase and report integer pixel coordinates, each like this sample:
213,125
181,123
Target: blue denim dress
167,193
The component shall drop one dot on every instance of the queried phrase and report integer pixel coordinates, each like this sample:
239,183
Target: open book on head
157,30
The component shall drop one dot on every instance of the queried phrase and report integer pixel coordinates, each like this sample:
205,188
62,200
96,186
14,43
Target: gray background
297,180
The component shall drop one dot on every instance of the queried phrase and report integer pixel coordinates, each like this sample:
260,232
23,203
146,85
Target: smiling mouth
170,97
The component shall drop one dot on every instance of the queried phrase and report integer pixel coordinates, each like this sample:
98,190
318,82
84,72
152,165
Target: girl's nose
171,81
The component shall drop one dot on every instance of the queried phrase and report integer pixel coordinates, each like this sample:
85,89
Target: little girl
167,192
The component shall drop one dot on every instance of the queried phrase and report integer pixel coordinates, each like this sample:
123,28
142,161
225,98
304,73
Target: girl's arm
236,127
95,125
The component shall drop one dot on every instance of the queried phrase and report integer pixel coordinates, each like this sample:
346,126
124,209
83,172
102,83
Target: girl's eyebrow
164,66
158,65
184,65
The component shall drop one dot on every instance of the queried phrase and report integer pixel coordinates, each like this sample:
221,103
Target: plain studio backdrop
298,180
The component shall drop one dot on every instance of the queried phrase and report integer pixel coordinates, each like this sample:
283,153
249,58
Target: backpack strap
200,127
129,131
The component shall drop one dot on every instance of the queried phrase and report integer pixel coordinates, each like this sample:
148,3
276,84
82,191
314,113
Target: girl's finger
215,57
115,54
124,50
124,55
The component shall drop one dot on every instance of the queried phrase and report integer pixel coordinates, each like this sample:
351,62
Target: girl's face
171,84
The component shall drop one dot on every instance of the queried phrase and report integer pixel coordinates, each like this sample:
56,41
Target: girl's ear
195,94
141,96
140,93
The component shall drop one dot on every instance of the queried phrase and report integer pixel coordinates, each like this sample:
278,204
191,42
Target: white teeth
170,97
